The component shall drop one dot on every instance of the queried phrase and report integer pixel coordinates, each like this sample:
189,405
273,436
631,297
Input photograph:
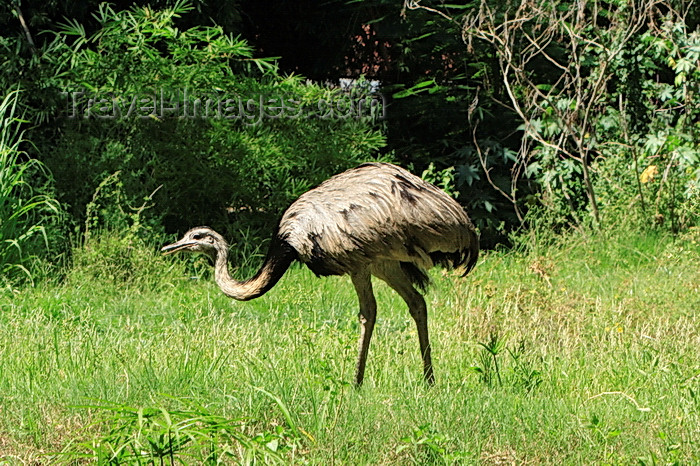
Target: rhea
377,219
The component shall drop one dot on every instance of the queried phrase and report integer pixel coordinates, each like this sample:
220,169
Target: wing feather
378,211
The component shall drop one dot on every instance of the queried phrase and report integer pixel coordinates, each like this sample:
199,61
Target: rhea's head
200,239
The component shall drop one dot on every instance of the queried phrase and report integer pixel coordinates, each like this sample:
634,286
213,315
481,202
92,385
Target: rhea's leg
368,314
396,278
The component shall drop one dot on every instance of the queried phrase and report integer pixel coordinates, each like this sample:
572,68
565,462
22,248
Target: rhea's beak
177,246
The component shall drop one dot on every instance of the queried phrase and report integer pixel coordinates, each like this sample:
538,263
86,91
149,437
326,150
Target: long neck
278,259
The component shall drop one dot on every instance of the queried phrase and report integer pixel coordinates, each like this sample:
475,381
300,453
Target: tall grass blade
20,222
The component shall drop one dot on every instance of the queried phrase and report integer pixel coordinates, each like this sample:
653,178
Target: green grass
22,212
598,363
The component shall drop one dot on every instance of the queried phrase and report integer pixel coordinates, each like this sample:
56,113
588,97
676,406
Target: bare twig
25,28
415,5
529,32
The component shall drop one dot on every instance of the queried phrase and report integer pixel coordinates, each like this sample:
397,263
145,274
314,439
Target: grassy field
583,353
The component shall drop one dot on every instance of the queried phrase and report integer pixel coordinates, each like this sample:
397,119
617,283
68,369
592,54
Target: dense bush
641,135
606,94
576,131
136,102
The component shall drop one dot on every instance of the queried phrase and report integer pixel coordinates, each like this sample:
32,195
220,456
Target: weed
489,359
524,375
521,373
150,435
430,447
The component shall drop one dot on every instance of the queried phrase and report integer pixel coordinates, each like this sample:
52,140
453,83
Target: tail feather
463,258
472,254
418,276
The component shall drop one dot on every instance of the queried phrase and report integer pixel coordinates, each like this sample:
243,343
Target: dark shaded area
438,98
379,40
325,41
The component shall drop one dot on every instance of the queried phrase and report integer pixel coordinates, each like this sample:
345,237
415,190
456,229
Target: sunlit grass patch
582,353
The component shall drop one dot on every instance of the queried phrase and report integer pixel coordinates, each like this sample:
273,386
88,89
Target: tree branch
18,11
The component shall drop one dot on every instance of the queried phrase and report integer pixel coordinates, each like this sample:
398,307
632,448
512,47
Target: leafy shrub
643,139
582,100
116,259
234,174
656,189
23,212
116,249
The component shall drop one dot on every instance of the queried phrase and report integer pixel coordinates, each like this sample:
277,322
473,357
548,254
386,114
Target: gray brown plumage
376,219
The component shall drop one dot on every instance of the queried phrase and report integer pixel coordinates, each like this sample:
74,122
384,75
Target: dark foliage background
450,112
